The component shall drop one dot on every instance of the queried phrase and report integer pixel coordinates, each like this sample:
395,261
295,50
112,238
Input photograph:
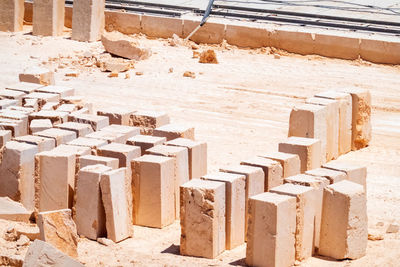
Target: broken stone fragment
208,56
122,45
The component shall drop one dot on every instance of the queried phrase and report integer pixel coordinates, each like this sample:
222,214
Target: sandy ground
241,108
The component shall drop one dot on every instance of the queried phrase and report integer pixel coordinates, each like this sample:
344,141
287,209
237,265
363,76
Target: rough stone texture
146,142
25,87
110,137
308,149
5,136
15,126
117,115
344,227
148,120
97,122
234,206
43,143
332,175
67,108
209,33
13,211
161,27
271,231
48,17
44,254
88,160
11,15
17,171
91,143
272,171
40,125
289,162
12,94
88,20
18,116
116,204
247,36
58,229
127,131
305,213
202,218
355,173
81,129
5,103
173,131
90,216
153,187
124,46
37,75
59,135
56,117
127,23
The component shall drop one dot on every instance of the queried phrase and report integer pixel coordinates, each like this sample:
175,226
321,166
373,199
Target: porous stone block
116,204
50,105
15,126
88,20
88,160
247,36
117,115
344,227
91,143
271,230
110,137
63,91
17,173
234,205
148,120
40,125
90,216
310,121
305,213
5,136
31,103
79,151
211,32
25,110
12,94
13,211
172,131
308,149
43,143
355,173
197,155
59,135
81,129
48,17
145,141
127,131
272,171
18,116
161,27
5,103
332,120
67,108
25,87
345,118
37,75
202,218
58,229
11,15
97,122
181,168
43,99
332,175
290,162
153,188
56,117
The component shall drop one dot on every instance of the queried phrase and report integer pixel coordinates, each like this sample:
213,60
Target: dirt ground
241,108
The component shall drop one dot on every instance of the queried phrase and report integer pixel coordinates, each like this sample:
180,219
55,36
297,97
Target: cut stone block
145,142
17,173
11,15
332,120
25,110
148,120
67,108
116,115
43,143
91,143
344,227
43,98
40,125
50,105
289,162
15,126
5,136
79,151
88,20
305,213
81,129
13,211
116,204
272,171
56,117
355,173
173,131
63,91
271,231
308,149
58,229
345,118
153,188
16,115
25,87
11,94
181,168
48,17
5,103
202,218
361,118
88,160
97,122
310,121
37,75
197,155
110,137
127,131
234,206
332,175
41,253
90,217
78,101
61,136
31,103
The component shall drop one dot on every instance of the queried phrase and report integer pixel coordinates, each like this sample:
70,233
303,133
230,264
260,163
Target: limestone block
15,126
16,115
161,27
234,206
91,143
202,218
90,217
310,121
50,105
211,32
305,213
181,168
145,141
355,173
97,122
197,155
37,75
272,171
58,229
13,211
148,120
43,143
271,231
31,104
17,172
289,162
12,94
344,227
124,46
88,20
336,45
63,91
81,129
40,125
48,17
56,117
127,131
332,175
110,137
247,36
5,103
88,160
116,204
25,110
379,50
117,115
67,108
173,131
25,87
11,15
126,23
61,136
153,190
78,151
345,118
5,136
308,149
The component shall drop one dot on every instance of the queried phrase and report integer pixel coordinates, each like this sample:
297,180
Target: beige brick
90,217
16,115
148,120
11,15
5,136
308,149
56,117
48,17
117,115
197,155
37,75
344,228
88,20
202,218
332,175
305,213
210,33
88,160
272,171
355,173
97,122
161,27
61,136
63,91
91,143
116,205
173,131
271,231
310,121
127,131
110,137
25,87
145,142
81,129
234,206
181,168
39,125
43,143
13,211
153,191
12,94
289,162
